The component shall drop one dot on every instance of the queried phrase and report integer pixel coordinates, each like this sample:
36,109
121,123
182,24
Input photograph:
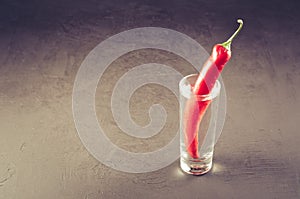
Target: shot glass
198,120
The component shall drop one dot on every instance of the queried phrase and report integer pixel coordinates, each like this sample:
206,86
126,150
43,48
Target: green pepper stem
227,43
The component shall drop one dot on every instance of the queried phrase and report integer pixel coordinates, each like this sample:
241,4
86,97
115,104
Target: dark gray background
42,44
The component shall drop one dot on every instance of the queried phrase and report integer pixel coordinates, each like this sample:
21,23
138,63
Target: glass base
196,166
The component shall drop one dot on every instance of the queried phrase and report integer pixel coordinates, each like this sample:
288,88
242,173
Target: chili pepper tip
227,43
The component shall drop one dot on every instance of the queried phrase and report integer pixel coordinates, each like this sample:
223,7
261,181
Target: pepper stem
227,43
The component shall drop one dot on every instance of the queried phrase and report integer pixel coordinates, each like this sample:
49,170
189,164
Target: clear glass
198,117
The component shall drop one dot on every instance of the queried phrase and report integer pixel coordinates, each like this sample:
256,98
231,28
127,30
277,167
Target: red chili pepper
195,110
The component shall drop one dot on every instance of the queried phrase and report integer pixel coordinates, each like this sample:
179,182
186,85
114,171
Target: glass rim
186,91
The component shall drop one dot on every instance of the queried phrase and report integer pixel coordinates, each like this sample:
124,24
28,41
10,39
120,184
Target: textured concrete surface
43,43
